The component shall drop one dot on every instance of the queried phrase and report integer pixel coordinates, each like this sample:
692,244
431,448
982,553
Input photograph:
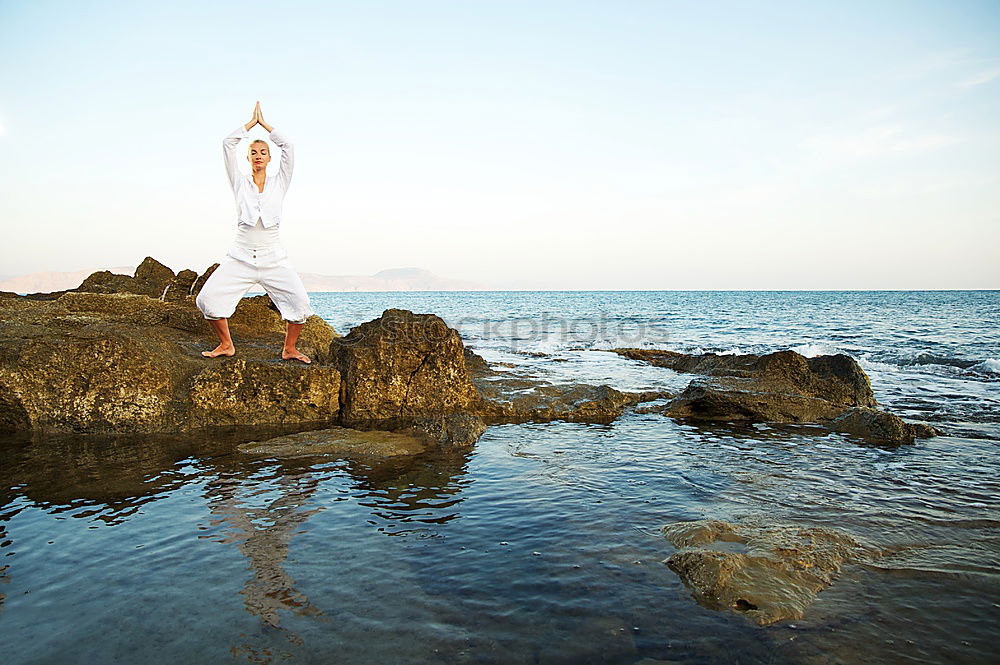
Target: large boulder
781,387
837,379
766,573
91,362
402,366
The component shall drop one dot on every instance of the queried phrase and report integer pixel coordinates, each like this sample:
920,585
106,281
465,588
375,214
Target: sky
521,144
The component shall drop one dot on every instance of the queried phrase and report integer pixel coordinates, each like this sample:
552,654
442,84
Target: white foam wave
988,366
814,349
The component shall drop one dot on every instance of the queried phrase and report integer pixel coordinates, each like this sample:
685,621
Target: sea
542,543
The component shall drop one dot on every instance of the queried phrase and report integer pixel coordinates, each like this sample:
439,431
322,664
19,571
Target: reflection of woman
257,256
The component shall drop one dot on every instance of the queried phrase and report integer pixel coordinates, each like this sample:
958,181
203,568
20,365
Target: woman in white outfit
257,255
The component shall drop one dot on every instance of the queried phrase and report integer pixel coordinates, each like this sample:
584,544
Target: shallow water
542,543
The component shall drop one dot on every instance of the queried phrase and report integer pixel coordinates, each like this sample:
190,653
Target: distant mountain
393,279
45,282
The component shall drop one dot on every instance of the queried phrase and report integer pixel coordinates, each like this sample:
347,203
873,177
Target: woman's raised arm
229,145
287,149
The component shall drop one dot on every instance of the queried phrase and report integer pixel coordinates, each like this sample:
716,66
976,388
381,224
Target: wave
988,366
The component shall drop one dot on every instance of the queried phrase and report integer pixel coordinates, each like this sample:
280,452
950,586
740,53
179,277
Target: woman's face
259,156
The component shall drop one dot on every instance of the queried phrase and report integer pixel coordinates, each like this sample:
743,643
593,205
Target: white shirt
251,203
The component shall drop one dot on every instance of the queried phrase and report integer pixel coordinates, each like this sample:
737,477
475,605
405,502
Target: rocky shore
122,354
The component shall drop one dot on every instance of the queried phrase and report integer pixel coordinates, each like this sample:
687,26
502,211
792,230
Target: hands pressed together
257,119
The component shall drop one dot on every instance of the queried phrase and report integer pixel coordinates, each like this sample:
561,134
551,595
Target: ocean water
542,543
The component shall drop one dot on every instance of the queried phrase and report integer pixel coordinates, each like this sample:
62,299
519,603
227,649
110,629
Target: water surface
541,544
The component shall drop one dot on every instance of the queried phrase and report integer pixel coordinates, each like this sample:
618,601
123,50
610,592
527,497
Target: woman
257,256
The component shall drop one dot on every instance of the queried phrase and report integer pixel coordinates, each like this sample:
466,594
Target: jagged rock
880,426
200,282
837,378
90,362
766,573
152,278
180,287
782,387
476,364
401,366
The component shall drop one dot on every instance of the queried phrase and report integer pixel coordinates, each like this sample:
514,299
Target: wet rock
766,573
476,364
781,387
448,430
730,402
879,426
402,366
571,402
513,398
340,442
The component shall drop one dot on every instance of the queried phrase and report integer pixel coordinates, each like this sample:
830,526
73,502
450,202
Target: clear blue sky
521,144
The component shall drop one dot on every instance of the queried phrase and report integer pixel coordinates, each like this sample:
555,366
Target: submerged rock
766,573
880,426
339,441
519,399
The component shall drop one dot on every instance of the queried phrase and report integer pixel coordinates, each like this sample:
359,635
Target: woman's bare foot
294,354
220,350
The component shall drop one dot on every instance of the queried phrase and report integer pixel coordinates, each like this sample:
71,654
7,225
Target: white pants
268,267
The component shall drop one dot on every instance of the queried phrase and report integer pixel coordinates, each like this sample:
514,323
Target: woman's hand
254,120
259,118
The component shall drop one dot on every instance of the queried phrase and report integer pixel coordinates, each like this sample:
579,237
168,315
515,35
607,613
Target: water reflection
258,504
262,535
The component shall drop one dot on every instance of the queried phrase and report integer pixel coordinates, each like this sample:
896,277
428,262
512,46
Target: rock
475,364
152,278
180,287
539,401
783,387
879,426
338,441
104,281
241,392
451,430
91,362
710,401
766,573
401,366
200,282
